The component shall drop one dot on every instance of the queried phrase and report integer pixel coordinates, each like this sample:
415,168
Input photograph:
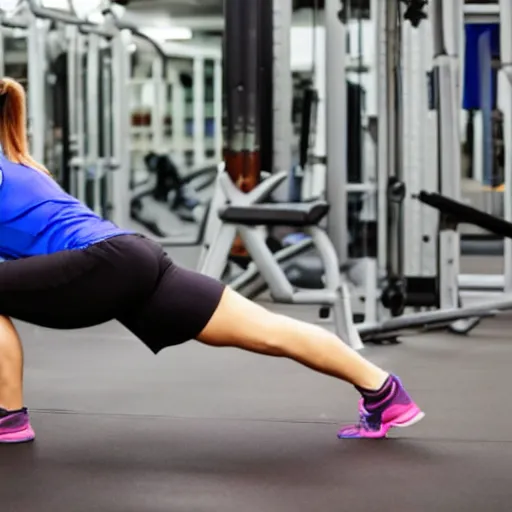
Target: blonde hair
13,124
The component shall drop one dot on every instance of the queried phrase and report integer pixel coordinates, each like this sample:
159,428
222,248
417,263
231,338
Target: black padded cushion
280,214
465,214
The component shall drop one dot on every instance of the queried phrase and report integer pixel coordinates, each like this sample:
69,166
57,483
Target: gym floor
201,429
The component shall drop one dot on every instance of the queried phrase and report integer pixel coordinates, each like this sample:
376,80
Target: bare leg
11,366
241,323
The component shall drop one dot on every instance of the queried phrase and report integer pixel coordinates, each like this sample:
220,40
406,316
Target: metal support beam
282,97
36,93
336,118
122,125
217,109
448,103
199,99
505,95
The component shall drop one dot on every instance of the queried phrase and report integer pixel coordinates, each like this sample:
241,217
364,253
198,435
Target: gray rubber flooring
198,429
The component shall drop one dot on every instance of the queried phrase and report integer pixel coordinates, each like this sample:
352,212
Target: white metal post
79,169
336,117
93,165
178,116
122,127
158,106
72,60
381,86
505,95
446,63
199,101
420,164
36,94
282,88
314,182
217,109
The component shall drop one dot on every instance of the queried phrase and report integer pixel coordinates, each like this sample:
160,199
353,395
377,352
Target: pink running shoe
15,428
398,410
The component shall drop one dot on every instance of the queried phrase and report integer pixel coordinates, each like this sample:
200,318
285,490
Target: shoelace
365,423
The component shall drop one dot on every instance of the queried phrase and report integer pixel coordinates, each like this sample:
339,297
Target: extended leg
241,323
14,422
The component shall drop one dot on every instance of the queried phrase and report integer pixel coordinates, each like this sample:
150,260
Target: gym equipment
243,216
96,169
200,236
180,192
165,182
248,67
454,213
165,130
446,318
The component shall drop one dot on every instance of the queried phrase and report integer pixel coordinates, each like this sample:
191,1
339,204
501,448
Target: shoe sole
24,436
415,419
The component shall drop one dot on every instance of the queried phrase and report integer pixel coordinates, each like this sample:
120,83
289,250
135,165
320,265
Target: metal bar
93,151
14,22
198,120
123,25
415,123
505,96
381,85
217,109
36,95
122,126
282,256
448,96
481,282
159,102
178,115
282,93
107,122
53,15
447,316
104,32
69,19
336,118
72,63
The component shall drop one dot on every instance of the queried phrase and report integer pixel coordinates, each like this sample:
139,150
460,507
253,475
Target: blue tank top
37,217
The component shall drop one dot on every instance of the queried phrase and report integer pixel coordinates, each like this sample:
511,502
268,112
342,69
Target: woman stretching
66,268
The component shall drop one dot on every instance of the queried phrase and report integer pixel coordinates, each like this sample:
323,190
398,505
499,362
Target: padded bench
282,214
243,214
465,214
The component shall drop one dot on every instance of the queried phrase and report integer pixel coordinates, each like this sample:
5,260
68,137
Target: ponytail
13,124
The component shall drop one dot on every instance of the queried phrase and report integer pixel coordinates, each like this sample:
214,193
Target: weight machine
160,135
93,151
442,292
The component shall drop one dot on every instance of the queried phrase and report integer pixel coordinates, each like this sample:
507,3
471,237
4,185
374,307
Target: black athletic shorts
127,278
